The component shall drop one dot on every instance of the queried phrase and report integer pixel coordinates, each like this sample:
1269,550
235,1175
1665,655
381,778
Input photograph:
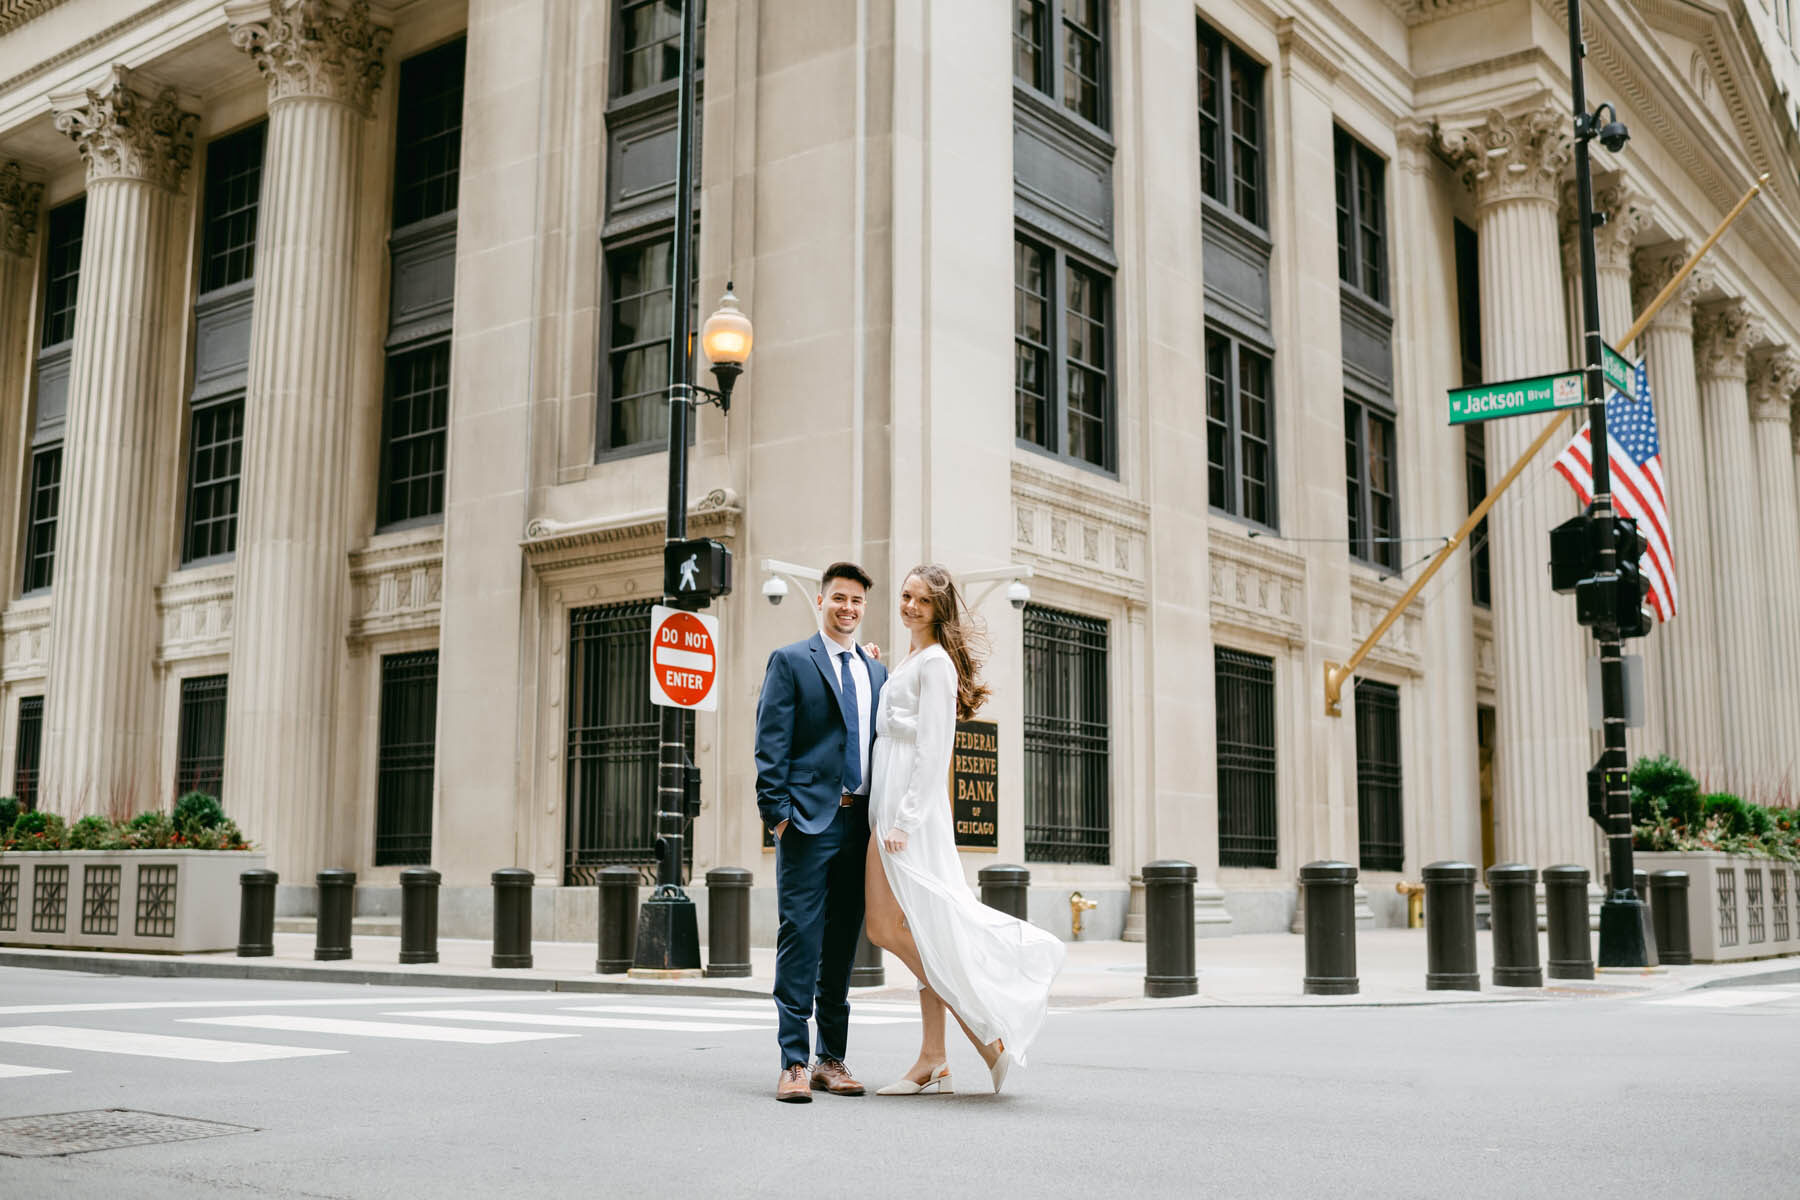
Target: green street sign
1618,372
1521,397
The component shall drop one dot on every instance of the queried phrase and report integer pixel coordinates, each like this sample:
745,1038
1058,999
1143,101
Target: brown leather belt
847,800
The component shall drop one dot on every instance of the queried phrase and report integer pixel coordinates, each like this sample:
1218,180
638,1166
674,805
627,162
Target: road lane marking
151,1005
762,1010
502,1018
375,1029
8,1071
150,1045
1725,997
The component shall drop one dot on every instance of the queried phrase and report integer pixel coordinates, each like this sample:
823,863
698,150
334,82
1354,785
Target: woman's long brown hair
961,633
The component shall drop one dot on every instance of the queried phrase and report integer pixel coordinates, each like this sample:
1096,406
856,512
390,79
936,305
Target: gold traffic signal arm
1337,674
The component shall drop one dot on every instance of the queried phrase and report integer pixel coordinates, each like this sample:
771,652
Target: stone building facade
333,338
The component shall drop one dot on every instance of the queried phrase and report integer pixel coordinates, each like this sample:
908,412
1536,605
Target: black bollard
728,923
256,913
1328,891
868,969
1566,914
418,915
618,900
1005,888
512,917
1169,928
1669,917
337,898
1450,928
1514,890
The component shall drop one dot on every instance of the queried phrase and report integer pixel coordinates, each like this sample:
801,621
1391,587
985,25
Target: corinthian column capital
1626,216
19,201
1723,335
1512,157
130,129
1774,378
1651,270
322,49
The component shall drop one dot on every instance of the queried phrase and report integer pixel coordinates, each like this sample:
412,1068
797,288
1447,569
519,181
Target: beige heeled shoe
939,1083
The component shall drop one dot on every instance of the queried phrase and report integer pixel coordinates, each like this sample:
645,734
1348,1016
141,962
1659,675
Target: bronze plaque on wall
975,785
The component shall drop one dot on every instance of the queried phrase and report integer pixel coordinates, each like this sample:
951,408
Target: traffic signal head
1574,552
1633,588
1607,600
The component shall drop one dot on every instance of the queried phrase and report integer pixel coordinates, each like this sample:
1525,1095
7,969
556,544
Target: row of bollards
1328,895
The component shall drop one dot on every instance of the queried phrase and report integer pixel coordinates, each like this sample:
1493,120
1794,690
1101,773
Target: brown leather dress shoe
831,1075
793,1087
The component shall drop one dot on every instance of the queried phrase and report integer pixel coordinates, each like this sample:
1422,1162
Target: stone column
1723,334
1688,644
19,202
1512,163
323,64
1774,378
101,720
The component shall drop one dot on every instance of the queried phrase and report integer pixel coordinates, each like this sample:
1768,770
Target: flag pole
1336,674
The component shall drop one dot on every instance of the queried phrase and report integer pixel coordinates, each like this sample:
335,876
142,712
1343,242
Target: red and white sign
684,658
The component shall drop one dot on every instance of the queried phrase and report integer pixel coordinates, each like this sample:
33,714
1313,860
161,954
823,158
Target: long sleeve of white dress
934,733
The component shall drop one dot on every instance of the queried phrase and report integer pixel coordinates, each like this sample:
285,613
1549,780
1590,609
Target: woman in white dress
992,970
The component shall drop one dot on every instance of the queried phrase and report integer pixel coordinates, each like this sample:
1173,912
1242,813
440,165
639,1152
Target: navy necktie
852,729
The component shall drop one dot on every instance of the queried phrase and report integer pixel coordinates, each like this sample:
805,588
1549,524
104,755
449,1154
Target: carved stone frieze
1256,587
130,129
1652,269
1083,534
1399,647
557,546
319,49
1421,12
14,13
397,588
1510,157
25,641
194,615
1723,335
1773,380
19,200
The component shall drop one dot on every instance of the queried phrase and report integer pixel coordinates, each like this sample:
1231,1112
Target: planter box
1738,907
173,901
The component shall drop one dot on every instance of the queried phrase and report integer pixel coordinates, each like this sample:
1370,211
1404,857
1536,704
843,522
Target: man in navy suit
815,725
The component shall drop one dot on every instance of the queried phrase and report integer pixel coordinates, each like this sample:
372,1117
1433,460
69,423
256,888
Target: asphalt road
1568,1097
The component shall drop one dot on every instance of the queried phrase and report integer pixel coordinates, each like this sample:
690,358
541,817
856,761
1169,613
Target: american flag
1635,460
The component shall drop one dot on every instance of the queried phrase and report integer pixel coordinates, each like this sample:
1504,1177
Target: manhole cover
101,1129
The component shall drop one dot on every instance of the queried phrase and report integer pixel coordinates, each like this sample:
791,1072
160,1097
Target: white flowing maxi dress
994,970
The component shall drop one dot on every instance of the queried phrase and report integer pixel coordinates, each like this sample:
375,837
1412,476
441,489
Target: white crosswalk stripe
9,1071
1726,997
151,1045
568,1022
374,1029
765,1011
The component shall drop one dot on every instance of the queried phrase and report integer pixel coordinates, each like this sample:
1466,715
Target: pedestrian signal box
1603,599
695,571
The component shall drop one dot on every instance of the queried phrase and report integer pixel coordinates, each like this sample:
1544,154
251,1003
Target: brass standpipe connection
1078,904
1415,902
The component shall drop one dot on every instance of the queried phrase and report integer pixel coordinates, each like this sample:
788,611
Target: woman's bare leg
886,926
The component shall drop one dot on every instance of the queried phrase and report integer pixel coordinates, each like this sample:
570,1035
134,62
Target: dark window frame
1370,429
1232,487
1064,262
406,759
1060,28
605,448
1031,28
430,438
1380,778
1067,740
40,527
617,88
1247,744
209,532
1468,318
1226,65
64,232
231,207
1360,180
427,153
200,742
28,745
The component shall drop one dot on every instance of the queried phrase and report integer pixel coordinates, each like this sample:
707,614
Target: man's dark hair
845,570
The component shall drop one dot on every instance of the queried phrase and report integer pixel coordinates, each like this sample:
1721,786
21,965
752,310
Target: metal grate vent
101,1129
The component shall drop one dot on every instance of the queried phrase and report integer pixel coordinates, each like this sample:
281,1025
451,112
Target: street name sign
1519,398
684,659
1618,371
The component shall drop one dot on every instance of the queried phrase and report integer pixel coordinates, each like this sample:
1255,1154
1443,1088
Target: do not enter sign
684,652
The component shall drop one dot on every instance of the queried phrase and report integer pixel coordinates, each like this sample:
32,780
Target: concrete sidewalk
1254,970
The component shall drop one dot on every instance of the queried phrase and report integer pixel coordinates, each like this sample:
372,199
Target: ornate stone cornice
1627,216
1774,378
1651,270
1422,12
130,129
1723,335
14,13
320,49
1512,157
19,199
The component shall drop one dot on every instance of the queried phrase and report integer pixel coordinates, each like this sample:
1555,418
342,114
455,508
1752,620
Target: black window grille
200,745
639,355
25,751
1084,59
40,532
1031,38
1481,577
233,190
1369,483
614,735
414,421
428,141
1240,429
1231,126
215,462
1244,693
1380,824
649,43
62,252
1468,315
1062,374
408,758
1362,218
1068,792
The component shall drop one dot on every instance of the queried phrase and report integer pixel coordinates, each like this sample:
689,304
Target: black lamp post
668,939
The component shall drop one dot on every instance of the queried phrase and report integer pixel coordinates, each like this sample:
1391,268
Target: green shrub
1661,786
38,831
91,833
1727,813
9,812
197,811
223,836
1762,821
149,831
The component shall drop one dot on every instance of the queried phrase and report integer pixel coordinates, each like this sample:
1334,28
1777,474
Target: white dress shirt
859,676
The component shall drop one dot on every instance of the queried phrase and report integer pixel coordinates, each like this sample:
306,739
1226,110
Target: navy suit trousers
819,882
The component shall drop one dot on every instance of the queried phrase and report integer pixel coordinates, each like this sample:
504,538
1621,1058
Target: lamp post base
668,938
1626,939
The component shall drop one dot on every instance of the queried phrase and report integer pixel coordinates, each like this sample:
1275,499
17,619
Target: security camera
1614,135
775,588
1017,594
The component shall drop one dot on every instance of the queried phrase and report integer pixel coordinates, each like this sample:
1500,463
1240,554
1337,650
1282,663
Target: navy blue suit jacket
800,733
